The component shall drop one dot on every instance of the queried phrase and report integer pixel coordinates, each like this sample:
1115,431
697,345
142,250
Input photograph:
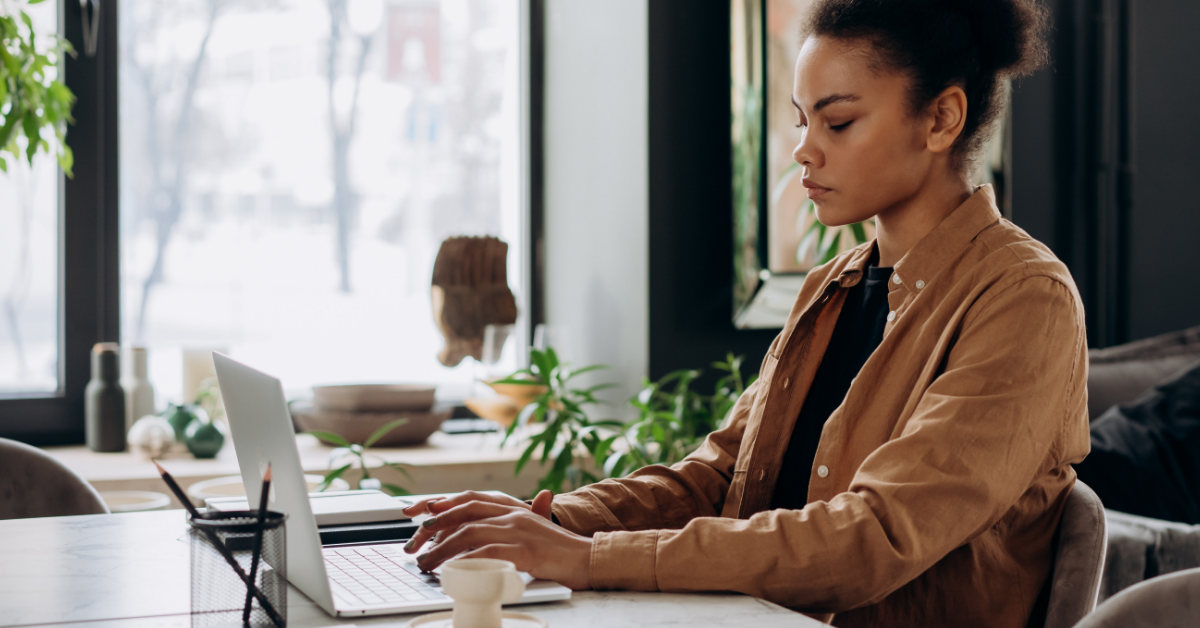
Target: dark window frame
88,277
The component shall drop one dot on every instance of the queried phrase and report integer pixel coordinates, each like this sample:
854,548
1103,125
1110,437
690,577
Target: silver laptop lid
262,432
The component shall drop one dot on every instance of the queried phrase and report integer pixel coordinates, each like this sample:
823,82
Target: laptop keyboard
379,574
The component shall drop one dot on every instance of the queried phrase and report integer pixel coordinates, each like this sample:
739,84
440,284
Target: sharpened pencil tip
267,475
161,471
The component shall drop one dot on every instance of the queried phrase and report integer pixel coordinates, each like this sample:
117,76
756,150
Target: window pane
289,169
29,260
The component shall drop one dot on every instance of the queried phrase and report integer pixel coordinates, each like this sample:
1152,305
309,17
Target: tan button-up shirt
938,483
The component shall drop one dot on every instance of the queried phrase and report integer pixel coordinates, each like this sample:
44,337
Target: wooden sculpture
470,292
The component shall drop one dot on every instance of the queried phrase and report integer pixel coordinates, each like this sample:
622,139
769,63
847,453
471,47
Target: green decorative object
205,438
180,417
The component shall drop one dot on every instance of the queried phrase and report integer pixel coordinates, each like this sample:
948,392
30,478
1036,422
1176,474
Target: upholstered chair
1079,559
33,484
1170,601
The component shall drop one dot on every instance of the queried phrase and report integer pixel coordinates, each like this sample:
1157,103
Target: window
288,170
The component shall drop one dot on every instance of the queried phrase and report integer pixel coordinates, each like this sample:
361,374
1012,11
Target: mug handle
514,587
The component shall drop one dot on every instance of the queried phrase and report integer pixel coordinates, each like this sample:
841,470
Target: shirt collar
856,265
947,240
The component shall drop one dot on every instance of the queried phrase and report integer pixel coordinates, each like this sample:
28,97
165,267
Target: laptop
347,580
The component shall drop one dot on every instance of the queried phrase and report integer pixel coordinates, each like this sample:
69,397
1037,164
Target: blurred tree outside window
290,167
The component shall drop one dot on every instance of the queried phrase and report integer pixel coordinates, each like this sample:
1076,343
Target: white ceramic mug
479,586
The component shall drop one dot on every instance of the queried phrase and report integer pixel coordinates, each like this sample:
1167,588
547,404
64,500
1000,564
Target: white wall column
596,185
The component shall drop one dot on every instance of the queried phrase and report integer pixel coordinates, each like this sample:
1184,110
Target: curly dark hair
973,44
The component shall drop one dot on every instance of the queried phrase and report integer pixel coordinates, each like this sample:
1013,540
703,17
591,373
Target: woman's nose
805,153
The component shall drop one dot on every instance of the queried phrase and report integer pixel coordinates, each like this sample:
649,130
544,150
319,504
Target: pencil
258,538
221,548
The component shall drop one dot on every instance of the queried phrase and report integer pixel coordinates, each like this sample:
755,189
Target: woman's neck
901,226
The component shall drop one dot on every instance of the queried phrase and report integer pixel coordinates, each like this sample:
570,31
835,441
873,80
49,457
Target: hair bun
1009,35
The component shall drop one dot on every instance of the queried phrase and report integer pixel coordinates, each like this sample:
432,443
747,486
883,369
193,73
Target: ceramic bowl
374,397
356,427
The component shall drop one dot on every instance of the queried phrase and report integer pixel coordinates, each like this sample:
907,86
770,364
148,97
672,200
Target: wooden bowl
502,410
521,394
374,397
356,427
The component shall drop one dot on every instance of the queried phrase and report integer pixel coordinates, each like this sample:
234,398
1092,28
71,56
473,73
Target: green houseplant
353,452
568,433
35,106
674,419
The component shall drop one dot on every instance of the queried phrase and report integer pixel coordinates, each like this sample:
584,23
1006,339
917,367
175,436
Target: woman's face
862,152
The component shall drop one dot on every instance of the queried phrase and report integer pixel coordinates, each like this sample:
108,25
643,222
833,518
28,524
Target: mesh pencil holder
218,592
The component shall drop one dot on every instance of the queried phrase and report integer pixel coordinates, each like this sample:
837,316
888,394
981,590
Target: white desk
132,571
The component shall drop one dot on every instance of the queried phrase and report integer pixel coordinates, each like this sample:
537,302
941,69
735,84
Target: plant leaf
395,489
860,233
330,437
399,468
521,462
521,381
331,476
383,431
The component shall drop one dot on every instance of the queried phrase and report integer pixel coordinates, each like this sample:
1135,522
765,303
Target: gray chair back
1079,558
33,484
1170,601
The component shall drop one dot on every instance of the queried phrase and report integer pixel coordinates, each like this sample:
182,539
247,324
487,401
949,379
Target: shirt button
823,471
891,316
920,284
895,278
787,381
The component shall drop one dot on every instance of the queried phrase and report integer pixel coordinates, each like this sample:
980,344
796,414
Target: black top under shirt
858,332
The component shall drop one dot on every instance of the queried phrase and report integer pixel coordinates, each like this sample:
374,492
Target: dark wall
691,241
1103,151
1164,286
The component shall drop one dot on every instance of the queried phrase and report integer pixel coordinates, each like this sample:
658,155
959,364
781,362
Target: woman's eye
839,127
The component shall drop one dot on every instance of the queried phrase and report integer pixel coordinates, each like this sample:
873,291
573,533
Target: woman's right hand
437,505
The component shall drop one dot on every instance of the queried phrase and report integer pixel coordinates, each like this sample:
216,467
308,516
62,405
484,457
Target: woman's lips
814,189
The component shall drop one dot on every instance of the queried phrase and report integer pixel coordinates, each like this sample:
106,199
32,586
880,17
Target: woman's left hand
530,541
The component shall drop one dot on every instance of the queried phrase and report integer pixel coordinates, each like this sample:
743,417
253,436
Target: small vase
180,417
139,394
205,438
104,401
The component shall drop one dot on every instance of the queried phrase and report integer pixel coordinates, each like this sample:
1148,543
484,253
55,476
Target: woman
904,457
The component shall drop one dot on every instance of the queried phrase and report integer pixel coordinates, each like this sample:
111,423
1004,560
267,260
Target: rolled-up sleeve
984,429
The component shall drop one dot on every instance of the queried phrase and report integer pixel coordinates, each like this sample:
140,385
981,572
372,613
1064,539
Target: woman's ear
949,114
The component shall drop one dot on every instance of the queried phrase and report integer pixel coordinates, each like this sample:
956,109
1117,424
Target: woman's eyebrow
829,100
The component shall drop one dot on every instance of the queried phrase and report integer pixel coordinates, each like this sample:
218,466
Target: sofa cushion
1145,456
1122,373
1140,548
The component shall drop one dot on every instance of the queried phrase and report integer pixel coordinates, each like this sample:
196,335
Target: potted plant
352,452
674,419
568,433
35,106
